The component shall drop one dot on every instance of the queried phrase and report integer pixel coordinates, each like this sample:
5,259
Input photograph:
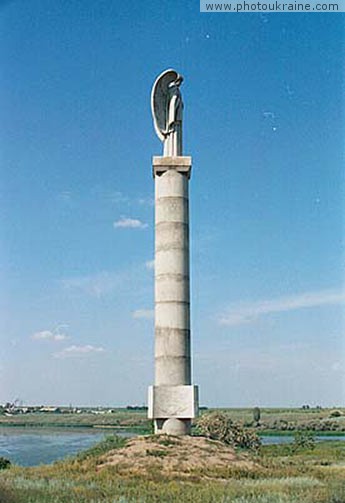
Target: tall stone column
173,400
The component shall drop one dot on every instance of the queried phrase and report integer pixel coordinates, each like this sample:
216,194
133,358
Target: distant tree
256,415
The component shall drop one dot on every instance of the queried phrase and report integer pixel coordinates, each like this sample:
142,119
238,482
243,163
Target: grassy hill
182,470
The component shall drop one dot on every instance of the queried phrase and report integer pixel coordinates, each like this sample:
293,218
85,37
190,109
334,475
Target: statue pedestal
173,400
182,164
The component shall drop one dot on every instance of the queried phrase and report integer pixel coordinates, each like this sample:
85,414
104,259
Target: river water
34,446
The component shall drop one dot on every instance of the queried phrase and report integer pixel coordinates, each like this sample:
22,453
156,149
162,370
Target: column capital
182,164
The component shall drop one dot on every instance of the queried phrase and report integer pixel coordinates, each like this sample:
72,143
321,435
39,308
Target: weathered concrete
173,401
167,111
179,402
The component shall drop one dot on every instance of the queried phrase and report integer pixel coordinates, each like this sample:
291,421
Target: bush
303,440
335,413
219,426
4,463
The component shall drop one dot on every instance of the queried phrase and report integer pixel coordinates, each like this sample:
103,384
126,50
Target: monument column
173,400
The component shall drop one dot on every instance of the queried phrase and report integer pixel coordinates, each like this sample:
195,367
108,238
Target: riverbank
107,472
118,419
272,421
291,433
34,446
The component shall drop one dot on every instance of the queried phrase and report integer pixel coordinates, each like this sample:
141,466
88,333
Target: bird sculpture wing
159,101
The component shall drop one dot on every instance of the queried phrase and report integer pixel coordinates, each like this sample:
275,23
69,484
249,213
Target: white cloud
146,314
60,337
238,314
79,351
48,335
129,223
150,264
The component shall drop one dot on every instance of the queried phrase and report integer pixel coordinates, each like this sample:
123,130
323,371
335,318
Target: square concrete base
173,402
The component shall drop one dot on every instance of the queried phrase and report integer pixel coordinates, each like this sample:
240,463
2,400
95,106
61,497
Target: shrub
303,440
335,413
219,426
4,463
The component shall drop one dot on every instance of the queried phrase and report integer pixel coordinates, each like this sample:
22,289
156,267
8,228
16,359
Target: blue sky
264,123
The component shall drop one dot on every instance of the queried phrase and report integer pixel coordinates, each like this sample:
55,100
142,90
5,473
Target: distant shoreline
271,422
141,430
69,426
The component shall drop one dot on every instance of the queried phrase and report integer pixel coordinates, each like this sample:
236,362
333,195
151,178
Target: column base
172,408
172,426
168,402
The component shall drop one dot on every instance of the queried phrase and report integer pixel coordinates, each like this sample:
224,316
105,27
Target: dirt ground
170,455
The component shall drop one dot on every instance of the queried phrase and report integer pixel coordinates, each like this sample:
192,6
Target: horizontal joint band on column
168,247
163,352
173,351
171,198
183,302
172,223
167,276
165,331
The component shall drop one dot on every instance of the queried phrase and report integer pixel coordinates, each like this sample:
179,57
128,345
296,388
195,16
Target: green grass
272,420
121,418
290,433
279,476
106,445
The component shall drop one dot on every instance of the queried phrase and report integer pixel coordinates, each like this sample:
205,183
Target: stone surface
173,402
182,164
172,319
167,111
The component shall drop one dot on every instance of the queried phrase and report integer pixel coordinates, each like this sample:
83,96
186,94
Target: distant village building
51,410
